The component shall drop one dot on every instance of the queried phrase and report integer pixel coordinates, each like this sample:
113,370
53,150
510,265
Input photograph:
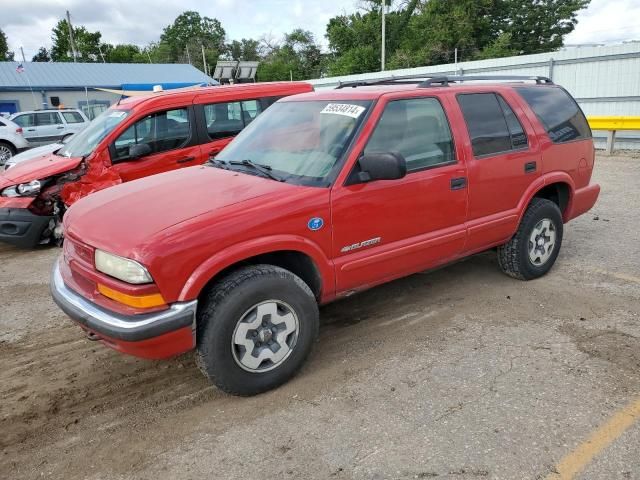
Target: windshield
83,143
300,142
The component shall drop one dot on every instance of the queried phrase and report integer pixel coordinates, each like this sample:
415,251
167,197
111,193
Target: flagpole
24,70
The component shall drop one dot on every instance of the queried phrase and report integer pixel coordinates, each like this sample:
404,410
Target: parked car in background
35,152
41,127
325,195
138,137
11,140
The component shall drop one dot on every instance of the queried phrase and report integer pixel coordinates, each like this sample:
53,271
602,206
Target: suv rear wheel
256,327
533,250
6,152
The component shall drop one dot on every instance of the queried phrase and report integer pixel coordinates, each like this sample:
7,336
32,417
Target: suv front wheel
256,327
533,250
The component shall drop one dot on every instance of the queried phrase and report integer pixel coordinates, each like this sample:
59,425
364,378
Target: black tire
224,305
513,256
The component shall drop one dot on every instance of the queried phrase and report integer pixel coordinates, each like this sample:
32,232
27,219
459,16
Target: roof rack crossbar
445,79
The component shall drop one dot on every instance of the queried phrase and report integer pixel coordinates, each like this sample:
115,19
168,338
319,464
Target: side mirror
139,150
381,166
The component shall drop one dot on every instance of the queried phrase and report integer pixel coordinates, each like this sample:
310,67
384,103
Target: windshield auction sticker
353,111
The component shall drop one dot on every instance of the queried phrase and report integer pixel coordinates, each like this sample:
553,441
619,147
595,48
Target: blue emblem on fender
315,223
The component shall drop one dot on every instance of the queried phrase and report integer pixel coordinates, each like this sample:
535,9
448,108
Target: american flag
20,68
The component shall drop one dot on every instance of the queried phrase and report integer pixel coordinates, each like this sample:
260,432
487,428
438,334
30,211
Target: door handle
458,183
186,159
31,129
530,167
60,127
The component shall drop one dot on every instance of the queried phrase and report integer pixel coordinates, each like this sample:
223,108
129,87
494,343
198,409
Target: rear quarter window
558,112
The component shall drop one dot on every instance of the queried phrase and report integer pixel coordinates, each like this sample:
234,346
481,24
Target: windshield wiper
214,162
265,170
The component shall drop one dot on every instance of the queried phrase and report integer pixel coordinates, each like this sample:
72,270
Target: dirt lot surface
461,373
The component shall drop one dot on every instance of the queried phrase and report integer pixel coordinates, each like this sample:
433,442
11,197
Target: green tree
5,54
245,49
427,32
298,57
540,25
43,55
186,36
87,44
122,53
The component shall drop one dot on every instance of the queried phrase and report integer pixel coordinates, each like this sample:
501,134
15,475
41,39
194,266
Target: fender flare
258,246
541,182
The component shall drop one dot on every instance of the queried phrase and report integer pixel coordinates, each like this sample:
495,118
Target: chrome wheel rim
542,242
5,154
265,336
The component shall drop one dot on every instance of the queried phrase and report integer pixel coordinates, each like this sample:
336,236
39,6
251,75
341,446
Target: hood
34,152
39,168
120,218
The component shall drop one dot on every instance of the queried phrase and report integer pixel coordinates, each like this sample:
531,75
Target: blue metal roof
63,75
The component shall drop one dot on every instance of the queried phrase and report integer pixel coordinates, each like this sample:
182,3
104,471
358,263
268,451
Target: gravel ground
460,373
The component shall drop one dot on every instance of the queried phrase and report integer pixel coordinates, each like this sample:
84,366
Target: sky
28,23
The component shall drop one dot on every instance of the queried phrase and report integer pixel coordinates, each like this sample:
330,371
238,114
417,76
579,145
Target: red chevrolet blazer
135,138
325,194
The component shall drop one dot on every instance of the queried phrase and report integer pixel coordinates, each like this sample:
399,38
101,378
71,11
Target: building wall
605,80
68,98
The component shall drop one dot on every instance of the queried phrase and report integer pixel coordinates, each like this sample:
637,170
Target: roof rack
445,80
440,80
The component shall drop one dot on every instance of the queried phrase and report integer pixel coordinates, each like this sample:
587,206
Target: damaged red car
138,137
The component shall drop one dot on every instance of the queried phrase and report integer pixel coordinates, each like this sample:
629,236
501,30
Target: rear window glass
559,113
73,117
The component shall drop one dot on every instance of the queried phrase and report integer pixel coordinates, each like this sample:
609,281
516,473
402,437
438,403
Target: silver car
41,127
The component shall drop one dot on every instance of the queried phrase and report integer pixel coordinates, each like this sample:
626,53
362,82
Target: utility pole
455,59
188,55
204,61
384,34
74,52
101,54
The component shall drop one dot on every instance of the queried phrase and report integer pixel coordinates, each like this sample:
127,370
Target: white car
41,127
11,140
33,153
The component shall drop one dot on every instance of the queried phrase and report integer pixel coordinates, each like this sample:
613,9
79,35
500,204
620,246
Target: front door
391,228
171,139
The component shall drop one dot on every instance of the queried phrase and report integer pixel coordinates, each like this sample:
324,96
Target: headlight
121,268
30,189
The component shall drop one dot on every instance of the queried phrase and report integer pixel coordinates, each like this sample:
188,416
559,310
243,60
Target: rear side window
229,118
73,117
417,129
26,120
558,112
486,123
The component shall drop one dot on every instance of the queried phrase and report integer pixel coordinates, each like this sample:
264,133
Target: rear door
172,140
74,122
503,160
49,127
389,228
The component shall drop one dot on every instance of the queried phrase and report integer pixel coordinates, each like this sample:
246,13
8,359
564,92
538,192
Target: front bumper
21,227
154,335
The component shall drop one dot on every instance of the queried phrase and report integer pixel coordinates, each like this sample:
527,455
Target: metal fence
605,80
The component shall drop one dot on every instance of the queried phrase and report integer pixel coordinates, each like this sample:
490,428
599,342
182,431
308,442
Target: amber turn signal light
142,301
